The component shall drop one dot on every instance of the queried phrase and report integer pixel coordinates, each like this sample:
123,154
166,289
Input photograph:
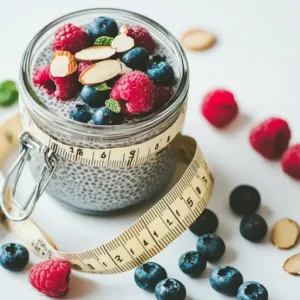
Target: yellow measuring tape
153,231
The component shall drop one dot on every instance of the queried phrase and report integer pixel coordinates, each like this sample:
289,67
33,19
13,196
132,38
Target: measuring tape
153,231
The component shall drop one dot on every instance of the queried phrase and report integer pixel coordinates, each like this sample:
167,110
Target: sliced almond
63,64
292,265
198,40
100,72
122,43
123,29
124,69
285,234
95,53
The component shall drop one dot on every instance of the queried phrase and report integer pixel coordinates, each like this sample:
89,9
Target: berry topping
163,94
170,289
71,38
270,138
51,277
82,66
161,73
102,26
142,38
219,108
291,161
244,200
81,113
207,222
192,263
211,247
42,78
137,89
104,116
94,96
226,280
252,290
66,87
136,58
148,275
253,228
13,257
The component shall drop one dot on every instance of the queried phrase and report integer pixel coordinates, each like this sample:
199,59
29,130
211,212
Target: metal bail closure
26,144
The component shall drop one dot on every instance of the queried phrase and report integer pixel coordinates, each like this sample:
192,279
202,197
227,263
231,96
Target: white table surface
257,57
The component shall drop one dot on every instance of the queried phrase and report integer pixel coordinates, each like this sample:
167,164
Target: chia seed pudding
97,190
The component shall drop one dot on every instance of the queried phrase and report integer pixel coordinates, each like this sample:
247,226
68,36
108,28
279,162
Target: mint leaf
8,85
103,41
102,87
7,98
113,105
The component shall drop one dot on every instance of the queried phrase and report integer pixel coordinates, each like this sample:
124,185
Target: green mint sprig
113,105
103,41
102,87
8,93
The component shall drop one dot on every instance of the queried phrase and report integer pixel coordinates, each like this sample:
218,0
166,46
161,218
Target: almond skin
63,64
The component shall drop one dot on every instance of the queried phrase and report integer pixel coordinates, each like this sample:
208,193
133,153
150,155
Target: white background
257,57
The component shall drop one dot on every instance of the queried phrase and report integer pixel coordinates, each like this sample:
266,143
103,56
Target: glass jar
97,190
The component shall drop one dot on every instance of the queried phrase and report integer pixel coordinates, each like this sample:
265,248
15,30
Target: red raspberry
66,87
219,108
71,38
82,66
51,277
42,78
270,138
162,95
291,161
142,38
136,88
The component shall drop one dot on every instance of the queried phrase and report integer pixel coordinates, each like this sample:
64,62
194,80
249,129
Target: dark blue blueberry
170,289
93,97
81,113
192,263
104,116
226,280
244,200
148,275
136,58
161,73
206,223
252,290
102,26
13,257
156,58
253,228
211,247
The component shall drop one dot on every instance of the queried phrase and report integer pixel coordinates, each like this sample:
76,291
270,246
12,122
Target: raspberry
162,95
71,38
142,38
270,138
291,161
219,108
66,87
136,88
51,277
42,78
82,66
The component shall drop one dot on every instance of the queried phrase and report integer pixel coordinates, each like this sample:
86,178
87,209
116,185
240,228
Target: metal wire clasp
26,144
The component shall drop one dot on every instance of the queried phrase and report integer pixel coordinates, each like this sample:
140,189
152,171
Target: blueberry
253,228
148,275
161,73
206,223
104,116
170,289
157,58
252,290
81,113
13,257
226,280
102,26
211,247
136,58
192,263
244,200
93,97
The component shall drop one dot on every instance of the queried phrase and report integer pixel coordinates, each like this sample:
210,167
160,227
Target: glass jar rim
103,130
